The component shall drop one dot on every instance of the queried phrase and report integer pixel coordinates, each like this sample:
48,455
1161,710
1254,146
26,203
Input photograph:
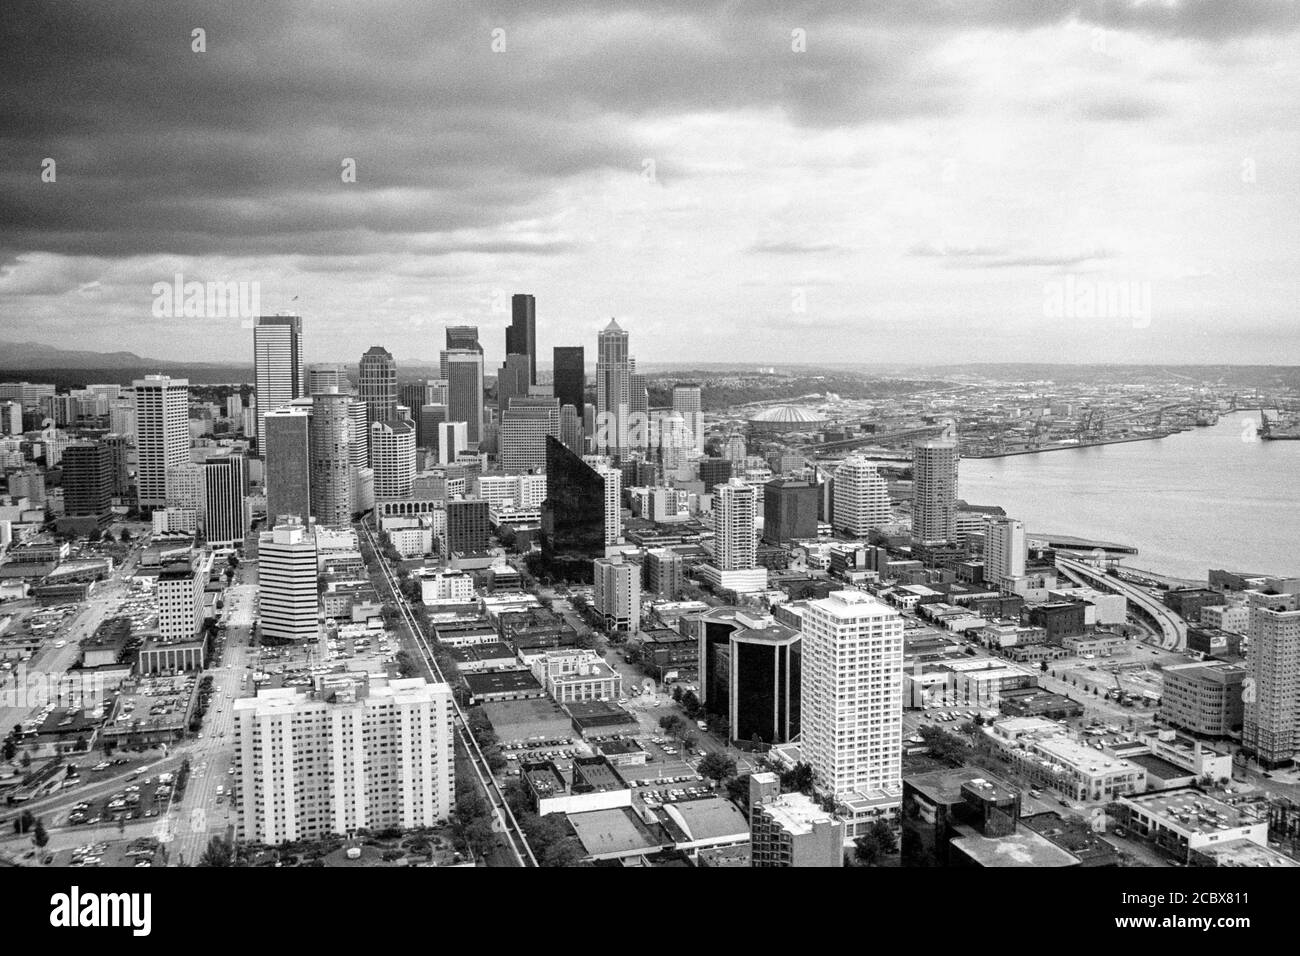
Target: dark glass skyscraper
573,514
570,375
713,472
789,510
521,334
379,385
88,480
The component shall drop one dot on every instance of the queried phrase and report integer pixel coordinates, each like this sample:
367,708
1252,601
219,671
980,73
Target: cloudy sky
952,180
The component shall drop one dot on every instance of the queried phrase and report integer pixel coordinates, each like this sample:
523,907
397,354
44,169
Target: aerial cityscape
520,441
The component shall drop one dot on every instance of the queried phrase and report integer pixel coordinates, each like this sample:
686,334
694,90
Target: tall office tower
162,413
521,334
11,418
353,754
277,360
570,375
524,429
121,449
235,407
861,498
288,605
851,703
287,453
330,450
613,391
392,456
324,376
463,337
688,403
467,526
185,490
225,500
789,510
464,377
378,388
734,545
512,381
616,593
589,424
934,491
1271,724
763,680
581,514
1005,550
571,429
714,472
179,597
88,480
790,829
638,408
733,449
451,441
426,424
664,573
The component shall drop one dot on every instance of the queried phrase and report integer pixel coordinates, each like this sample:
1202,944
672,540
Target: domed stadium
778,419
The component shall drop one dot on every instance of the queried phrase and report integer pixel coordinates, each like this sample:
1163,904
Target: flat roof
1160,767
619,830
1245,852
1189,809
944,786
797,813
500,682
1022,848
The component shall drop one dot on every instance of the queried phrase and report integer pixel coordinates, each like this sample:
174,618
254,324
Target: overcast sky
925,179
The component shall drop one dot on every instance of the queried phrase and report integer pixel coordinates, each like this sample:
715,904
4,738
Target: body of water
1206,498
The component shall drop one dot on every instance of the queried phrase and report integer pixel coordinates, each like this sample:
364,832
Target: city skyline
783,174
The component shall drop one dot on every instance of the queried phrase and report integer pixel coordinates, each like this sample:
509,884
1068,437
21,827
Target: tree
798,778
218,853
867,849
39,836
1043,667
672,725
717,767
884,835
125,536
9,749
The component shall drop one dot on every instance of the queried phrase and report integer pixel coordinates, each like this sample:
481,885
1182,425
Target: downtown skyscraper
521,334
378,385
162,435
278,367
330,449
934,491
288,461
613,391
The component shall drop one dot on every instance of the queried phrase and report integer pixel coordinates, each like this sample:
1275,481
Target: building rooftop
1245,852
797,813
501,682
1191,810
615,831
944,786
711,818
1022,848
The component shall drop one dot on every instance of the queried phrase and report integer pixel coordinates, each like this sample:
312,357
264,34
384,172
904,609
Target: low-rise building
1186,820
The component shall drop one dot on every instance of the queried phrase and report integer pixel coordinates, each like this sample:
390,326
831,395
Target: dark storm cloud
237,151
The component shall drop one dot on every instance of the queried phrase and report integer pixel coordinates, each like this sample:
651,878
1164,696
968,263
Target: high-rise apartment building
616,593
851,704
162,435
861,498
453,438
934,491
467,527
1005,550
1271,723
288,604
287,453
278,367
734,541
663,573
353,753
392,457
688,403
330,451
